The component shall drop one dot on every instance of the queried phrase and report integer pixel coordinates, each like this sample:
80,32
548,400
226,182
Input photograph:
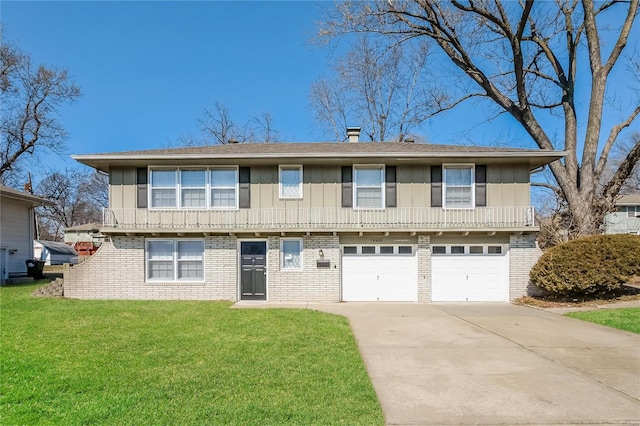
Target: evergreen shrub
590,267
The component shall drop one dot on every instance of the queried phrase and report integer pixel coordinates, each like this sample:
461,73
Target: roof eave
101,161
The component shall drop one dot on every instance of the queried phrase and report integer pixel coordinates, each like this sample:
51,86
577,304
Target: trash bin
34,268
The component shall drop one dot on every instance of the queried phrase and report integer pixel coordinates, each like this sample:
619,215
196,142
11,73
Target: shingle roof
84,227
56,247
273,153
24,196
318,148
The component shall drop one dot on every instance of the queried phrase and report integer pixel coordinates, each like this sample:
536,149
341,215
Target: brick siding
311,284
523,254
117,271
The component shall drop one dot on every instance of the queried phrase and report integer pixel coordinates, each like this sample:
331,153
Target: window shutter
142,193
347,186
436,186
481,186
244,180
390,186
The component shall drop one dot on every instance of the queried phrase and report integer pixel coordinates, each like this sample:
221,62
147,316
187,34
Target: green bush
590,267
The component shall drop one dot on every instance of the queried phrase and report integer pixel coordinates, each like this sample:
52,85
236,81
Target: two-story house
298,222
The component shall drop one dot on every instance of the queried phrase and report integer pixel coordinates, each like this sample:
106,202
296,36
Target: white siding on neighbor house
16,234
621,223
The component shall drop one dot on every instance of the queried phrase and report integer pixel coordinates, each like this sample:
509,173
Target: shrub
589,267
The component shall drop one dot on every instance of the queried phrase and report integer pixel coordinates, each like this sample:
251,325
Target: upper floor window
163,188
368,185
224,194
216,187
290,182
458,186
193,188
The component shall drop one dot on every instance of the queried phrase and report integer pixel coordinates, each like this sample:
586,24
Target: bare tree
78,198
618,154
385,89
31,97
523,58
218,128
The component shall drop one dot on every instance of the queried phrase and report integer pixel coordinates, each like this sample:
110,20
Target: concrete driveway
443,364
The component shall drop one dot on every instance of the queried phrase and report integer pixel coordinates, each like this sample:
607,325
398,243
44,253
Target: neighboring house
54,252
297,222
626,219
17,230
85,239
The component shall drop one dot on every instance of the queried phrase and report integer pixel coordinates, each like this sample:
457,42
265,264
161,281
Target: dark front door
253,270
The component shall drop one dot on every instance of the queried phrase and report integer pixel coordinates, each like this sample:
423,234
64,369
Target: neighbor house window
175,260
193,188
458,186
290,181
368,187
224,192
163,188
633,211
291,254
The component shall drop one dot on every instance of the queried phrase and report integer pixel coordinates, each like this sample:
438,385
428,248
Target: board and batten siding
507,185
122,188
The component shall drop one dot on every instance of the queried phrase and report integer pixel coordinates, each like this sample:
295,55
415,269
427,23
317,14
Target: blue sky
148,69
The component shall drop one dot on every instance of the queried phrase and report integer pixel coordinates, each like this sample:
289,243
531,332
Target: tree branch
612,188
613,136
553,188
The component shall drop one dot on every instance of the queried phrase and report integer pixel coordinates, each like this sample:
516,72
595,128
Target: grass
78,362
627,319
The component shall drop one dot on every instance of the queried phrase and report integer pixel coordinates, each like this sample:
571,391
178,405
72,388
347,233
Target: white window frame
178,187
175,188
181,187
210,187
473,185
175,260
282,263
380,167
300,186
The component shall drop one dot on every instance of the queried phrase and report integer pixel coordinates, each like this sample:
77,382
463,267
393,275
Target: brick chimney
353,133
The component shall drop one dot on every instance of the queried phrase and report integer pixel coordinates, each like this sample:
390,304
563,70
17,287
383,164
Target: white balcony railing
415,218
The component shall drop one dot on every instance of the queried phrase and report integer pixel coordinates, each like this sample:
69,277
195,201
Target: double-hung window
368,187
224,191
163,188
291,182
291,254
175,260
458,186
193,188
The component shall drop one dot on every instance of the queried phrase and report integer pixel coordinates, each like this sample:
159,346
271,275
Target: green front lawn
625,319
176,362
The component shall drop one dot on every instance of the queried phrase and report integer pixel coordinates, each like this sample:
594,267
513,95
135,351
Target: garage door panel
371,278
469,278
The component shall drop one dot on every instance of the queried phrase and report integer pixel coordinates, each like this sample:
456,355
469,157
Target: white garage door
473,273
385,273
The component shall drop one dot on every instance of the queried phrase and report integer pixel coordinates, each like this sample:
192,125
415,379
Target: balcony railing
414,218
